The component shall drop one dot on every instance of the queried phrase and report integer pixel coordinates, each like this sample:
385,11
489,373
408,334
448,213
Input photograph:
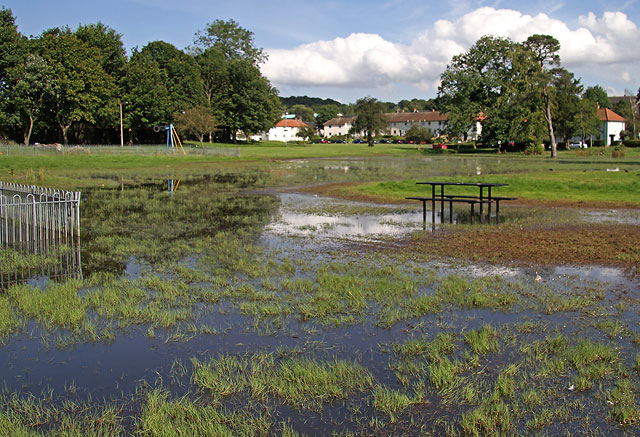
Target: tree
146,92
213,74
233,41
567,96
306,132
12,63
544,49
481,83
80,88
418,134
326,113
249,103
370,118
598,95
196,121
29,92
302,112
180,74
586,120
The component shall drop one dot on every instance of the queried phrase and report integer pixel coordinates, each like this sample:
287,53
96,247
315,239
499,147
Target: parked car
439,146
578,145
358,141
339,141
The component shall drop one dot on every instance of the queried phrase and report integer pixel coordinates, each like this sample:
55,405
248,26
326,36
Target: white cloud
368,60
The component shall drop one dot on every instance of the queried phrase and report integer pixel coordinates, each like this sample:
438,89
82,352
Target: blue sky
389,49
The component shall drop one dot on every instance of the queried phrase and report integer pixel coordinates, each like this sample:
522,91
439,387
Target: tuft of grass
483,340
162,416
490,418
624,408
390,402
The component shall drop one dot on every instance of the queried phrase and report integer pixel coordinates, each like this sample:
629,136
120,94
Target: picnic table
441,197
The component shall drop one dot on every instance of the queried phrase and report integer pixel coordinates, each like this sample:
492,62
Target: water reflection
306,215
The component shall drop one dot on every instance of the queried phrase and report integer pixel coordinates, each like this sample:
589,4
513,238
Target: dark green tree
113,56
232,40
144,86
567,91
370,119
249,104
12,62
481,83
180,76
598,95
81,91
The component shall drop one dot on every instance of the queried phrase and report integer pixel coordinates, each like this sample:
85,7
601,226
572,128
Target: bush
631,143
534,149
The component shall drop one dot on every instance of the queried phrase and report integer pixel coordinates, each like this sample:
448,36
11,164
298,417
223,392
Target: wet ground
275,240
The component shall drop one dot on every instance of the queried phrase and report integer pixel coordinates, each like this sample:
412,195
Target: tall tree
12,62
544,49
232,40
80,88
249,104
145,91
29,93
480,84
180,76
567,96
370,118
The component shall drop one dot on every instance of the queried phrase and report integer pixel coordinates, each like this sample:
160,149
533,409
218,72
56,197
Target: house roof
606,114
339,121
291,123
415,117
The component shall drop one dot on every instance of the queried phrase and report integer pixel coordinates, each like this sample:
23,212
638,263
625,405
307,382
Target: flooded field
233,304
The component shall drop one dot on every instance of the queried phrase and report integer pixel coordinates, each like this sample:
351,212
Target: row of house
611,126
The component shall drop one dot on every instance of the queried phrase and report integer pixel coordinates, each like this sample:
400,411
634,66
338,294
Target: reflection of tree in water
148,222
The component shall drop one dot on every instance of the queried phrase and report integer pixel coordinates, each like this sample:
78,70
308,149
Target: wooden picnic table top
468,184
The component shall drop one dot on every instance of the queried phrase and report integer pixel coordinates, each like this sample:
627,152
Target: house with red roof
285,130
611,125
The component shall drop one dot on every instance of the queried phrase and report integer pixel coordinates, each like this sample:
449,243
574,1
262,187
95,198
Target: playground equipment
173,139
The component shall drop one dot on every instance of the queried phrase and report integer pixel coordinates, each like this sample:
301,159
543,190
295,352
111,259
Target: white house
398,123
611,125
285,130
338,126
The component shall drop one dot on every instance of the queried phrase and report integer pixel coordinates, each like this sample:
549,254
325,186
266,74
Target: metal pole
121,132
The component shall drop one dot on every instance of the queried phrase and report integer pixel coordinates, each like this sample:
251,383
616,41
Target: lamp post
120,102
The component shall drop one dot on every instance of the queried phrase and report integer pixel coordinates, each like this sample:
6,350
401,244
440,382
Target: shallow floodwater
307,234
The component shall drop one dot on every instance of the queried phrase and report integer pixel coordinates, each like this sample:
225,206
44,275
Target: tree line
76,85
80,86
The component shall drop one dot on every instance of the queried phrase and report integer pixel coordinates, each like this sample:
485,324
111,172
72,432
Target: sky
387,49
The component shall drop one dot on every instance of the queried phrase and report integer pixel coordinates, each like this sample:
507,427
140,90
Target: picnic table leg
497,211
424,214
433,205
481,193
441,203
472,212
450,211
489,205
